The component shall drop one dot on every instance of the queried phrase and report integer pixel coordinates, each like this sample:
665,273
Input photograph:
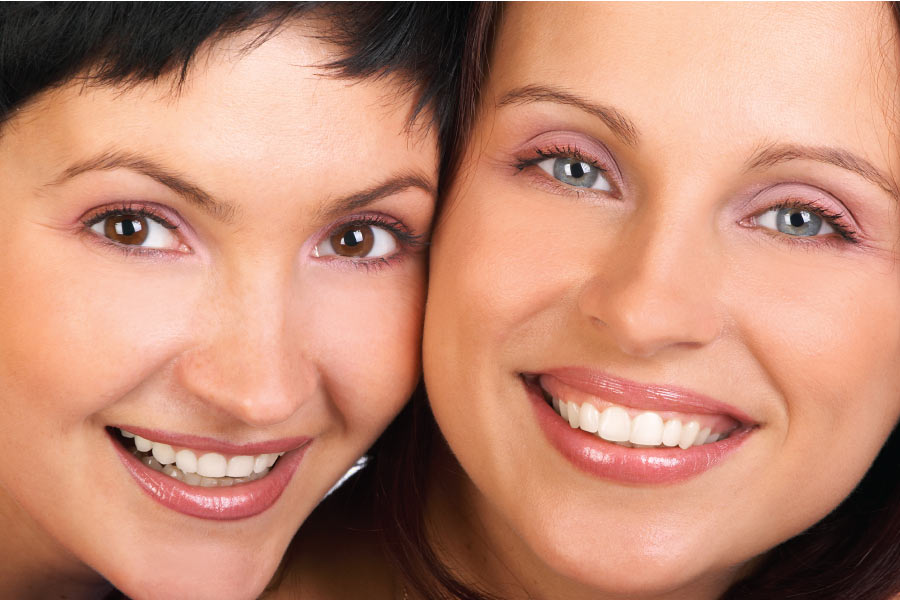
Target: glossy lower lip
239,501
599,458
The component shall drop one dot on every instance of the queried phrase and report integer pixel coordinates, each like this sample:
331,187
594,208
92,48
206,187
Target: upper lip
210,444
642,396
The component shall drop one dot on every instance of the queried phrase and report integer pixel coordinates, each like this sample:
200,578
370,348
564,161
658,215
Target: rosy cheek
85,330
367,340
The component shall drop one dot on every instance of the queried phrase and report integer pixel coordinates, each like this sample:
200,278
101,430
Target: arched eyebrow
621,126
393,185
225,212
773,154
117,159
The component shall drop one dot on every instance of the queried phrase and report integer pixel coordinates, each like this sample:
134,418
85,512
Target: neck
34,566
482,551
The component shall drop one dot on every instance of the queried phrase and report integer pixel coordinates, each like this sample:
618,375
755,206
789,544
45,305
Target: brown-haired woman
661,338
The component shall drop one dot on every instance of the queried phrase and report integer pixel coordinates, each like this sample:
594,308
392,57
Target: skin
672,278
235,329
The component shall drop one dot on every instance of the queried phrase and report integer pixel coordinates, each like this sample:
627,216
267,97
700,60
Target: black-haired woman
212,226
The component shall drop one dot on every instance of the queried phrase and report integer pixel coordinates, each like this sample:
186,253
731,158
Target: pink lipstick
238,501
635,412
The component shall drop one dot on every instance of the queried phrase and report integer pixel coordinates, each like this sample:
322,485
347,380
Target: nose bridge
248,361
658,287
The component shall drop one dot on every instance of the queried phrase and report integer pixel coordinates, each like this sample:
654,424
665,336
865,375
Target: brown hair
851,554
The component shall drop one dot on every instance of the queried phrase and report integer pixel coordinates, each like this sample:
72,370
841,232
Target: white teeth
701,437
142,444
186,461
239,466
589,418
574,414
212,464
647,429
163,453
688,435
259,463
614,424
671,433
209,470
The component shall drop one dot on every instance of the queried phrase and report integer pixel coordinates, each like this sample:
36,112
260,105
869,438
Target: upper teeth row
211,464
646,429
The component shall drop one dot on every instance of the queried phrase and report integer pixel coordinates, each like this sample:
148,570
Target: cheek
368,340
826,336
499,263
79,332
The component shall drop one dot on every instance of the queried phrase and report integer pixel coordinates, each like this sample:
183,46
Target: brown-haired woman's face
233,272
662,326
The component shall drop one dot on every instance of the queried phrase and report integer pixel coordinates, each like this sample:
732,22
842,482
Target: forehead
271,112
756,70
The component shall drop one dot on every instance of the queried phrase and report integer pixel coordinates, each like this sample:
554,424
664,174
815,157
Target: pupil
128,228
352,238
577,170
797,219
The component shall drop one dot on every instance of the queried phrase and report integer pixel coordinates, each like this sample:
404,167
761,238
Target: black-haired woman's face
211,306
662,332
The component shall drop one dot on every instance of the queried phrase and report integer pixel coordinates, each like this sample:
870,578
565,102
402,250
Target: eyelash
539,154
836,219
406,239
143,210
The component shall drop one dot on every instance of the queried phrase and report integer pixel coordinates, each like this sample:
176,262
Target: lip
239,501
209,444
644,397
652,466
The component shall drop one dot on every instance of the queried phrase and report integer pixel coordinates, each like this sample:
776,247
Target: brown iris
353,240
130,230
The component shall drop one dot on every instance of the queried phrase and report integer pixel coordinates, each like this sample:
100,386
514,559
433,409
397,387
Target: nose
249,359
657,289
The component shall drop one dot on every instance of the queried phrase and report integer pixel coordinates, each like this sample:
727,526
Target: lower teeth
193,478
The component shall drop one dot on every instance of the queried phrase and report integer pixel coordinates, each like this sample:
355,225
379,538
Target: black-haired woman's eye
134,229
357,240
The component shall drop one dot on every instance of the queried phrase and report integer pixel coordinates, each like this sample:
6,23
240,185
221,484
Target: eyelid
160,214
587,148
804,196
408,242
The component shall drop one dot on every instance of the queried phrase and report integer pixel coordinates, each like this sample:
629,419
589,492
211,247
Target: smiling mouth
196,467
637,428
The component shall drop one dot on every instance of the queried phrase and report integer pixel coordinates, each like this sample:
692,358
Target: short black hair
44,44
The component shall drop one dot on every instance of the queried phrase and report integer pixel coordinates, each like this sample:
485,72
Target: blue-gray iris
575,172
795,221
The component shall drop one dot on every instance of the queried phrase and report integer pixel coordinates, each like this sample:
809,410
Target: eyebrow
393,185
225,212
623,127
774,154
193,193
